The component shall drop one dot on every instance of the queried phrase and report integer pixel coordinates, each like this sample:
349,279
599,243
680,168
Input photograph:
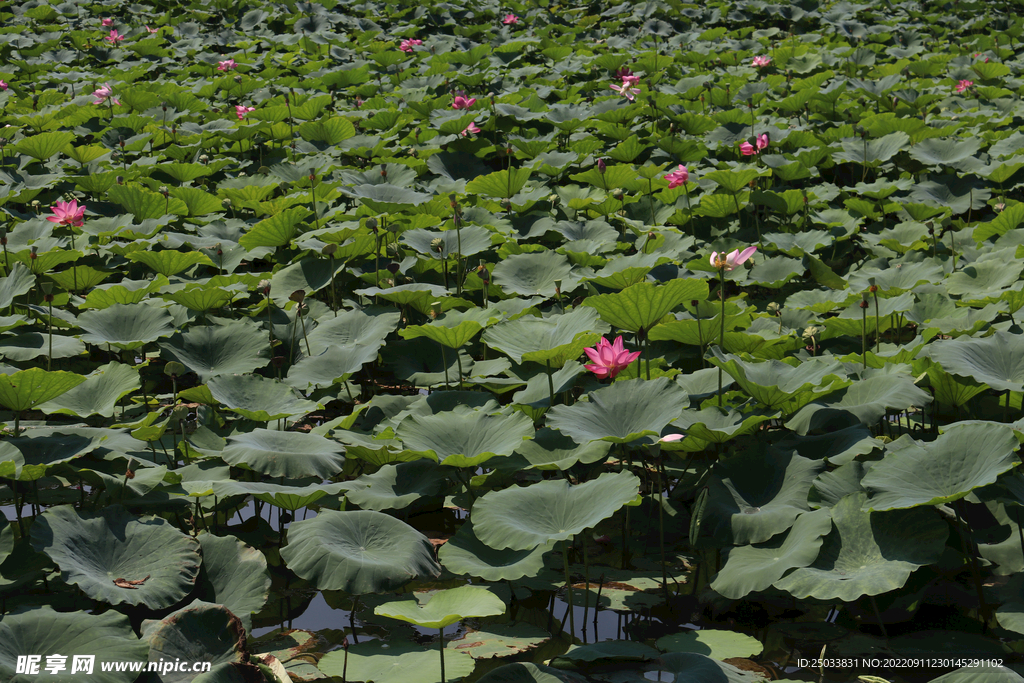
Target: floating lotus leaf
126,326
524,518
612,651
867,400
258,398
118,558
465,437
641,306
211,350
29,457
98,394
868,553
997,360
499,640
379,662
396,487
623,412
536,274
19,280
296,649
780,385
200,632
965,457
754,495
524,672
754,568
713,643
465,554
554,340
692,667
285,454
445,607
108,637
234,575
358,552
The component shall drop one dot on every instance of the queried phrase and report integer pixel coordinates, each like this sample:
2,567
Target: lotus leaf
200,632
525,672
621,413
536,274
445,607
465,437
126,326
399,486
713,643
258,398
997,360
208,351
285,454
98,394
465,554
499,640
118,558
555,340
234,575
378,662
781,386
641,306
358,552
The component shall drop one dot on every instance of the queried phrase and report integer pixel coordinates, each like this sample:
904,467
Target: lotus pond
524,342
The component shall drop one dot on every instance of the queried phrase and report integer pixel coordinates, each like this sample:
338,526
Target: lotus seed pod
437,244
329,249
226,203
371,223
264,286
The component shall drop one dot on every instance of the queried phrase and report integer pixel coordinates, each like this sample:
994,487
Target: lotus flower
761,61
624,72
460,102
734,258
409,44
964,85
748,149
226,65
677,177
626,91
152,30
68,213
114,38
471,129
3,86
242,110
107,21
510,19
103,94
609,359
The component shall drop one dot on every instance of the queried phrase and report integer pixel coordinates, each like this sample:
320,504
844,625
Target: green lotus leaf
868,553
43,146
867,400
398,486
200,632
754,495
379,662
329,130
27,389
30,345
275,231
871,152
718,425
108,637
118,558
554,340
958,194
536,274
987,277
368,327
330,367
212,350
693,667
831,487
467,241
234,575
465,554
713,643
358,552
98,394
499,640
168,262
29,457
503,184
309,274
124,292
420,296
19,280
292,455
754,568
202,297
258,398
965,457
296,650
524,672
984,673
452,333
734,180
549,511
782,386
641,306
621,413
126,326
944,152
612,651
445,607
997,360
535,399
286,497
465,437
837,447
145,204
552,450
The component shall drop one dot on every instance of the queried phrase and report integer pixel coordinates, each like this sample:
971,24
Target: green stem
721,338
864,337
568,592
440,645
878,326
551,384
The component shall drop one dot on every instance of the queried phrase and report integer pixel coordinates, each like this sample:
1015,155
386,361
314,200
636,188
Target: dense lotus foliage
297,301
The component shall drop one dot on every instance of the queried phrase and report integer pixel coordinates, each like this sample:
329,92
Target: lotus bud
47,288
371,223
553,198
164,191
120,141
35,205
435,310
383,171
775,308
264,286
999,207
3,236
329,249
394,251
393,268
298,296
484,275
437,244
226,203
601,168
558,288
873,288
163,105
220,250
694,303
33,253
863,304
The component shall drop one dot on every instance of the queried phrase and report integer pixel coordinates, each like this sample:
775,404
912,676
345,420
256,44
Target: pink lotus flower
471,129
408,45
103,94
761,61
3,86
624,73
672,437
510,19
114,38
677,177
609,359
964,85
226,65
734,258
626,91
107,21
152,30
242,110
68,213
748,149
460,102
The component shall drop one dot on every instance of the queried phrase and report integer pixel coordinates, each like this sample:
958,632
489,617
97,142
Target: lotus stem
298,313
352,618
864,334
586,584
444,362
647,355
458,361
551,384
334,300
440,646
568,591
661,527
721,338
878,616
961,528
